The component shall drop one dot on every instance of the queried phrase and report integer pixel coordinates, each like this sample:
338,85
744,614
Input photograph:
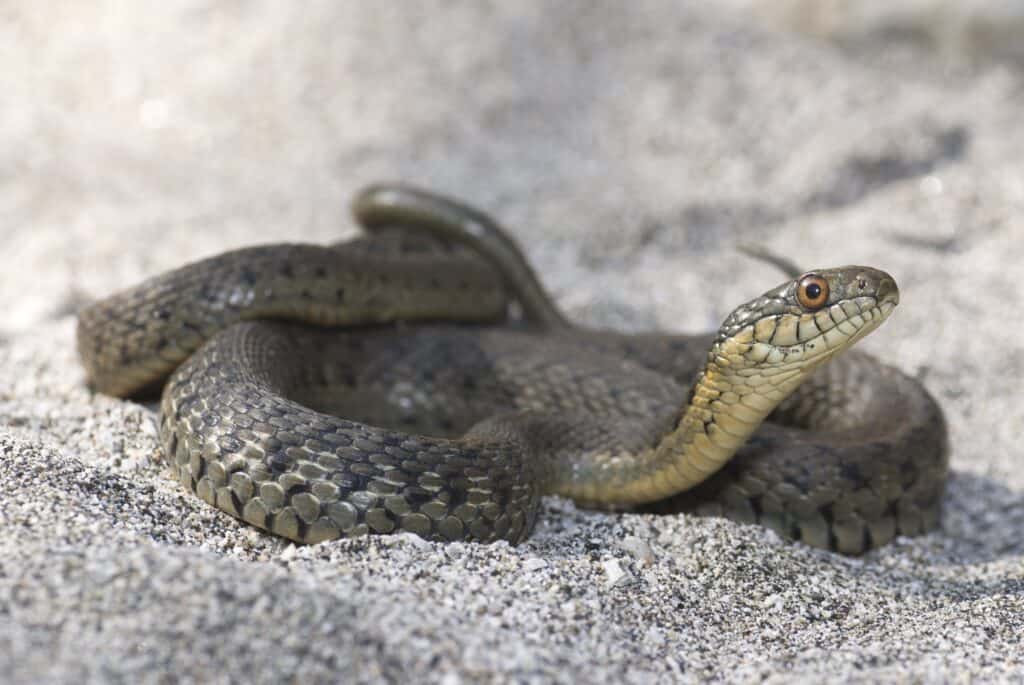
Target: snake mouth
871,317
873,311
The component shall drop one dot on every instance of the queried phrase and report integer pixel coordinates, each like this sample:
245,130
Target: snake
420,379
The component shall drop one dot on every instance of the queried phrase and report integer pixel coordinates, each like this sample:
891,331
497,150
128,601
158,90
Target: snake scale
420,379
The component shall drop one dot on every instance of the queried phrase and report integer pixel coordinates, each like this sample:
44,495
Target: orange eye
812,292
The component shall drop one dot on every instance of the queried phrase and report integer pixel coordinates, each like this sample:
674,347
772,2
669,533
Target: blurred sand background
630,146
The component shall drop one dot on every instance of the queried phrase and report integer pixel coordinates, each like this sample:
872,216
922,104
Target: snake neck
728,401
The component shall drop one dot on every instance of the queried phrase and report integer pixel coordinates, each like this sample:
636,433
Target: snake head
807,320
763,352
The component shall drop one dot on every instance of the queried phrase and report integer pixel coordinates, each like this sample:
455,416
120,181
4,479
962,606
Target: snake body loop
377,386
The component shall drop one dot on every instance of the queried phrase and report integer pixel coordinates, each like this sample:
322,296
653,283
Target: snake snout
887,291
876,283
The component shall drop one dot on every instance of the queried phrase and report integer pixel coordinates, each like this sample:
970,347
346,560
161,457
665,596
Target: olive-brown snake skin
380,385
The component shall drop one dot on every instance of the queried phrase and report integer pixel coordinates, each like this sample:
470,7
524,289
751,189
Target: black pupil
813,291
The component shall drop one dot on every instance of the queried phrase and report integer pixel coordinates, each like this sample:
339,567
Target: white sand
630,149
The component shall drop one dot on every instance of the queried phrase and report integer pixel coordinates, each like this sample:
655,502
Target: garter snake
379,385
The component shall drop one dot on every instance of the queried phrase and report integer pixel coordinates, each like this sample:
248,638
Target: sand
631,147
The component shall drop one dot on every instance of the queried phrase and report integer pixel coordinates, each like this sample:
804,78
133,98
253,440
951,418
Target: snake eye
812,292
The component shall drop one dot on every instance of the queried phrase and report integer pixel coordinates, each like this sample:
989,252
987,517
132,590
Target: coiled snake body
378,385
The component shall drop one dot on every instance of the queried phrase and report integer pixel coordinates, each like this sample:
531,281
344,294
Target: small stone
615,574
405,537
638,549
534,564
